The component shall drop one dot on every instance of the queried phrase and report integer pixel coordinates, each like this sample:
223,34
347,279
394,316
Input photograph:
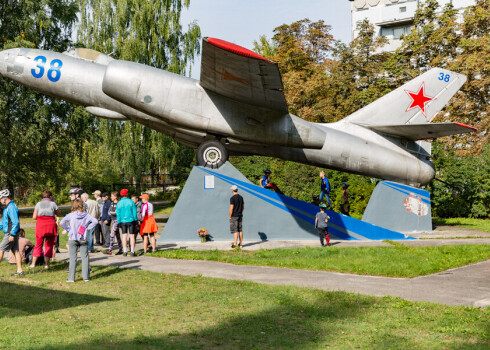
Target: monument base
205,201
399,208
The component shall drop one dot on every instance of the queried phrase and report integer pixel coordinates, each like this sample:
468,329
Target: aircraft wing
240,74
422,131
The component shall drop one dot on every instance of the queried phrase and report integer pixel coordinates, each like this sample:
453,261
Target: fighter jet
238,108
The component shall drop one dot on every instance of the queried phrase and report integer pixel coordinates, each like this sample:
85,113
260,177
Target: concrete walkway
469,285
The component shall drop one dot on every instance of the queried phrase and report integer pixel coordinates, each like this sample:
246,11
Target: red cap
145,196
124,192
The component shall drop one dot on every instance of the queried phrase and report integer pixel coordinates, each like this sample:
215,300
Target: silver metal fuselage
179,107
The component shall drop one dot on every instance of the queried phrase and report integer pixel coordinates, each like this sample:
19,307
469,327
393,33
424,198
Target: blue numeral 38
444,77
54,72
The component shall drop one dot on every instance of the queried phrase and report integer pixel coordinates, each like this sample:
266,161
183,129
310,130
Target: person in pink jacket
78,223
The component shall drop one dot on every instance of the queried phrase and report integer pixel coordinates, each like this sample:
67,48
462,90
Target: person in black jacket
105,219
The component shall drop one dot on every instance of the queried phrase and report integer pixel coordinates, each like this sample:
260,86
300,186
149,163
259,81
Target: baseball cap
145,196
124,192
97,192
234,188
323,205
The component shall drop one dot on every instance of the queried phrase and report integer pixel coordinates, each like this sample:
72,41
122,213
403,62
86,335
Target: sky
244,21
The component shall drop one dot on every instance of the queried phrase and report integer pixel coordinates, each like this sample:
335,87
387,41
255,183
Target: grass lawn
394,261
473,224
131,309
164,209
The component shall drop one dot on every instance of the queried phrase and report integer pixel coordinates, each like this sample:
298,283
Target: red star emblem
419,99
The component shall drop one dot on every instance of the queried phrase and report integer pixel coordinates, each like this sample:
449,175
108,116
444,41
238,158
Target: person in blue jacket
126,216
325,190
10,226
264,181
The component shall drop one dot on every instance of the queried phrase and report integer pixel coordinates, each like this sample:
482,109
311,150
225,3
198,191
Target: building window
403,9
396,32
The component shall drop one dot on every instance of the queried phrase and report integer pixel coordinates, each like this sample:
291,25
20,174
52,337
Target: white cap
234,188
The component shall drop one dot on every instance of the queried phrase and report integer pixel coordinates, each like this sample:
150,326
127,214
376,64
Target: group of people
101,218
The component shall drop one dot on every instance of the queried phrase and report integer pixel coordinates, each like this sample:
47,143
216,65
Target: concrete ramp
205,201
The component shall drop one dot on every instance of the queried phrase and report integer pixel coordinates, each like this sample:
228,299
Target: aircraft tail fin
416,102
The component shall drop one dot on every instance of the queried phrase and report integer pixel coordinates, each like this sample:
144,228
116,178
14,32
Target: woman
78,223
45,214
148,224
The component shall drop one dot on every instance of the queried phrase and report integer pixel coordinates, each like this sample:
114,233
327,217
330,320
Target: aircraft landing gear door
211,154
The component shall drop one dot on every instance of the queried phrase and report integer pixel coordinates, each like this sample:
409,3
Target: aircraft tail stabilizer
416,102
416,132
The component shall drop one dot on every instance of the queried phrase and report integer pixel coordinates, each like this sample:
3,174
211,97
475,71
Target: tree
38,135
148,32
302,52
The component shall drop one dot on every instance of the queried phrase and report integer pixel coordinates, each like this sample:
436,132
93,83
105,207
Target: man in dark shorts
10,226
236,214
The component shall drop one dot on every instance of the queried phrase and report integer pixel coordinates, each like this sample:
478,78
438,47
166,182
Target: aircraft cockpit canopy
90,55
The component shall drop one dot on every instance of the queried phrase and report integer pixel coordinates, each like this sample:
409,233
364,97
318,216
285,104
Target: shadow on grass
24,300
161,220
290,324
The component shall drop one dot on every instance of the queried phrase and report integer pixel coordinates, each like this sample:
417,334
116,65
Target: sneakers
86,280
119,252
133,254
108,252
141,253
70,281
18,273
124,254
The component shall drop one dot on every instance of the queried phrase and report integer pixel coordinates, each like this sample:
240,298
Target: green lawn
473,224
164,209
394,261
130,309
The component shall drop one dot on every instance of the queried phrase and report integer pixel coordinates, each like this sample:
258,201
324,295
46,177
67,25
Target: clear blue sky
243,21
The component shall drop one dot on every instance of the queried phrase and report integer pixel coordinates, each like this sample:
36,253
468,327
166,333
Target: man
10,226
92,210
236,215
344,200
105,219
325,190
265,179
99,237
76,193
126,216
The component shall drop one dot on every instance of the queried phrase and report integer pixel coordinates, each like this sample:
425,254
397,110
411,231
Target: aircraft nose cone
6,57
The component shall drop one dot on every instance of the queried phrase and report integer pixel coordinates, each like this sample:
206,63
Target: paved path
469,285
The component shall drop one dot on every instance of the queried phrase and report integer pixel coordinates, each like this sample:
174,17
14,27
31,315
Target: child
148,224
321,221
24,247
78,223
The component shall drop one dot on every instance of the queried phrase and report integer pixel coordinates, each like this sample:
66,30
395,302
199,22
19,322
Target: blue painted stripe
406,192
419,191
344,227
